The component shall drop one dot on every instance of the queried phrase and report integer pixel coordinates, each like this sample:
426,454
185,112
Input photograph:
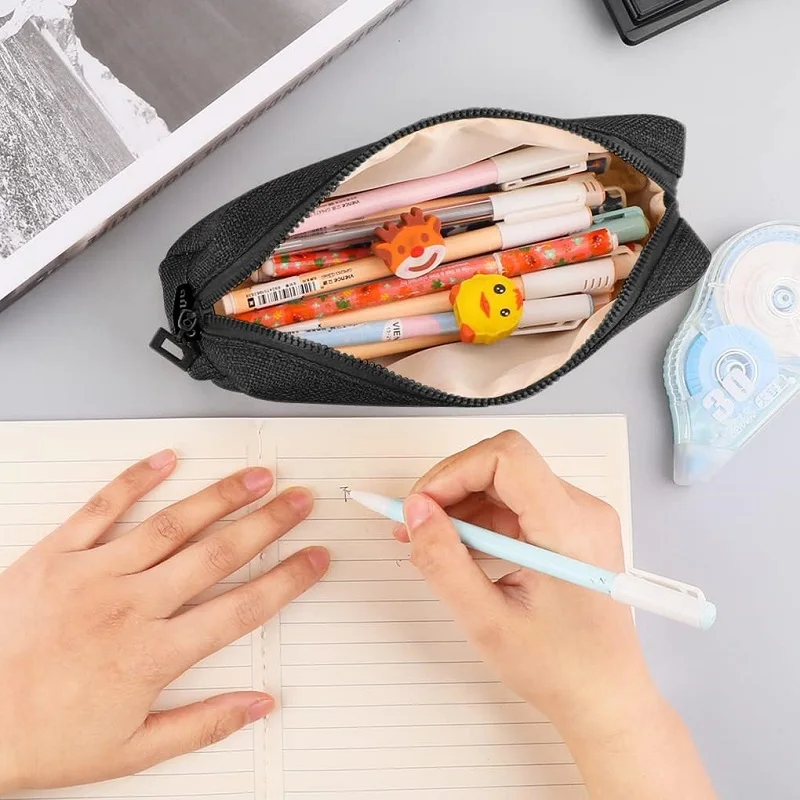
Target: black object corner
639,20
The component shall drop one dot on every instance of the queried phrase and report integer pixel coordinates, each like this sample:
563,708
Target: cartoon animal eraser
413,248
488,308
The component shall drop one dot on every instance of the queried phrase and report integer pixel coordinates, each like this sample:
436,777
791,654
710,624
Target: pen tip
360,497
374,502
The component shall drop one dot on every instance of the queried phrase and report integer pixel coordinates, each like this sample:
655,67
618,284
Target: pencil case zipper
193,312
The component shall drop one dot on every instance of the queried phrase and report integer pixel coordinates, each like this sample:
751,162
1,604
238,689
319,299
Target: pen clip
543,177
563,326
668,583
668,598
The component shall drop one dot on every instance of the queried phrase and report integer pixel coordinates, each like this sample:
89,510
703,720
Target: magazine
103,102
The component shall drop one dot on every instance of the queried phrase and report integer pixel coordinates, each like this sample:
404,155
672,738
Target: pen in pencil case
518,168
371,352
593,277
501,236
546,311
628,225
530,203
511,263
661,596
285,266
616,198
378,350
472,214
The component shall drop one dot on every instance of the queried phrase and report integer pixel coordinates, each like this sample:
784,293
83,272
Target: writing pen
592,277
545,311
501,236
667,598
550,200
519,168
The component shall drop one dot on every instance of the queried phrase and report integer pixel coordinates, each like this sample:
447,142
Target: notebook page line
46,471
381,695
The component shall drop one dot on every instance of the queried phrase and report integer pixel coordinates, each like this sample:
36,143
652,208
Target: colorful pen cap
413,248
487,308
629,224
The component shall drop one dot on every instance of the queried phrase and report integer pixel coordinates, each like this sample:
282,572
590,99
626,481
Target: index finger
507,468
94,519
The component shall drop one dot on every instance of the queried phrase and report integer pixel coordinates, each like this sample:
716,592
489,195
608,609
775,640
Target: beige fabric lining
452,145
490,371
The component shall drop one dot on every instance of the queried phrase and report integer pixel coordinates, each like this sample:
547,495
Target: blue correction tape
735,361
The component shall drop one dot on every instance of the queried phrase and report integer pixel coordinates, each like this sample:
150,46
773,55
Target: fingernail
320,559
257,480
417,510
260,709
161,460
299,499
400,532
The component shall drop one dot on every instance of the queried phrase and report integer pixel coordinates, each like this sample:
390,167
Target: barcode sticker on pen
282,293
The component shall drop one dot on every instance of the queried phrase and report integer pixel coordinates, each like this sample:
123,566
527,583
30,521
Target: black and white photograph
88,86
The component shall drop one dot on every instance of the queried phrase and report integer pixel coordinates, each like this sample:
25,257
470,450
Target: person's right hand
570,652
561,647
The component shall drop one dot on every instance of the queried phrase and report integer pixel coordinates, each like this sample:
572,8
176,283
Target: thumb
446,564
169,734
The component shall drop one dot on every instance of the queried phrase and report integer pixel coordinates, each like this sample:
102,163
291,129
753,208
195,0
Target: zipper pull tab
184,320
187,357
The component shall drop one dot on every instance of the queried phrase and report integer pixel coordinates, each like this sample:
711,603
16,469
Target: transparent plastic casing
725,379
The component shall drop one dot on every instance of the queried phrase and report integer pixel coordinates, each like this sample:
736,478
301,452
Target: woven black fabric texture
284,372
682,265
663,139
270,374
227,233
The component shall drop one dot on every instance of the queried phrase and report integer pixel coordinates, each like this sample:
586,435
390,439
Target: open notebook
380,697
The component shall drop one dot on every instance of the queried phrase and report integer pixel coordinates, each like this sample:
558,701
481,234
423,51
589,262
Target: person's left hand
90,633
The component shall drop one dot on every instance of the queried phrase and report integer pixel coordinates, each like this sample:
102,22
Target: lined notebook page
47,470
381,696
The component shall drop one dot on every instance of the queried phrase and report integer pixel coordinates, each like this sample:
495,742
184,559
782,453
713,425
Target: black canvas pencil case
219,253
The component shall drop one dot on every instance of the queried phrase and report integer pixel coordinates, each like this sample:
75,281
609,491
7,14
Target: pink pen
519,167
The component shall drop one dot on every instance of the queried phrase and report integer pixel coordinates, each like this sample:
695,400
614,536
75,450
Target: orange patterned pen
511,263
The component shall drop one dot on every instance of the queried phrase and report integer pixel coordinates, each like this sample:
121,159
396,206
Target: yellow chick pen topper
488,308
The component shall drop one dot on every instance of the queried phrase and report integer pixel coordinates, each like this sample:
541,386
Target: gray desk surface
77,346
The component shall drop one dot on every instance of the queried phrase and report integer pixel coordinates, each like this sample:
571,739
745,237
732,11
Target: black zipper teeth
210,294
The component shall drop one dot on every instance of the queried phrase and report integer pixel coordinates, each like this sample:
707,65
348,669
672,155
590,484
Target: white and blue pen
667,598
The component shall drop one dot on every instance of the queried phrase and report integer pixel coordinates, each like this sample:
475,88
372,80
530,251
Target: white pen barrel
593,277
543,212
690,609
519,234
589,192
533,161
553,310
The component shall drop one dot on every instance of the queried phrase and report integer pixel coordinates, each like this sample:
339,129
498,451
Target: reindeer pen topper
413,248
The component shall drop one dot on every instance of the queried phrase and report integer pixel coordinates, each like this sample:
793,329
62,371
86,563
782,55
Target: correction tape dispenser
735,361
487,308
413,248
